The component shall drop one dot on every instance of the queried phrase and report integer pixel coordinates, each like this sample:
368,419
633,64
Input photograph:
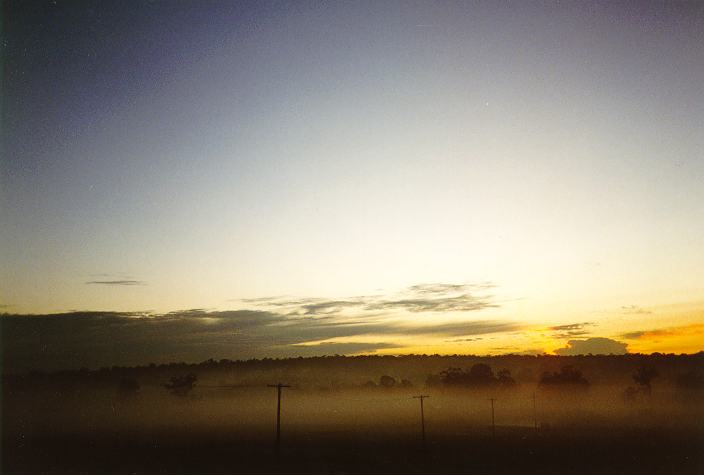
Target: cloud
571,326
419,298
532,352
335,348
596,346
462,328
634,310
571,330
634,335
275,327
116,282
95,339
684,330
461,303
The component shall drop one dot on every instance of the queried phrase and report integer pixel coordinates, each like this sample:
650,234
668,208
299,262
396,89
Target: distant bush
181,385
504,378
388,382
567,377
643,376
478,376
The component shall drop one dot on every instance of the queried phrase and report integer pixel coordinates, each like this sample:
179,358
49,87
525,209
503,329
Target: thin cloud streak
421,298
571,330
677,331
116,282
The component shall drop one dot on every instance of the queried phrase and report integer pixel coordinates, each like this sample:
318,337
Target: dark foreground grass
513,450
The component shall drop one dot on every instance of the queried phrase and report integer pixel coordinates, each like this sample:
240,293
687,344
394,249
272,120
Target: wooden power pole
535,415
278,411
493,424
422,415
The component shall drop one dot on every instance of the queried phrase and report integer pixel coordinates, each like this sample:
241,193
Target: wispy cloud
634,310
571,330
436,297
276,326
571,326
116,282
676,331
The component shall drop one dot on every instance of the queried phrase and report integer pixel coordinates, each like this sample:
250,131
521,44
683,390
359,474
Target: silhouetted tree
567,377
643,376
387,382
478,376
181,385
453,377
505,379
481,374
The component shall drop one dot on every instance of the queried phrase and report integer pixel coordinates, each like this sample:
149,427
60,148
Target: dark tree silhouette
478,376
181,385
643,376
505,379
481,374
567,377
453,377
387,382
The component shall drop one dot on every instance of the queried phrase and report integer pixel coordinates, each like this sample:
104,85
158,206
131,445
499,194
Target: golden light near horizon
452,178
294,236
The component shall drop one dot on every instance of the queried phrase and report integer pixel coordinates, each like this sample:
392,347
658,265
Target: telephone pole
493,424
535,415
278,412
422,416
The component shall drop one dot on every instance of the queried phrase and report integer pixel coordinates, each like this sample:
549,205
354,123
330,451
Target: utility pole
535,415
422,416
278,412
493,424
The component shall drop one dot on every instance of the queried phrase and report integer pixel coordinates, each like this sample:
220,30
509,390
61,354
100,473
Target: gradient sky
160,156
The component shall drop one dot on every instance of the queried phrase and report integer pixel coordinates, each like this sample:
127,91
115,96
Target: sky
430,177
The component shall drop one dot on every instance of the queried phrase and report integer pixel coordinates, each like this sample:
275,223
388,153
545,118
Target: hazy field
88,421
